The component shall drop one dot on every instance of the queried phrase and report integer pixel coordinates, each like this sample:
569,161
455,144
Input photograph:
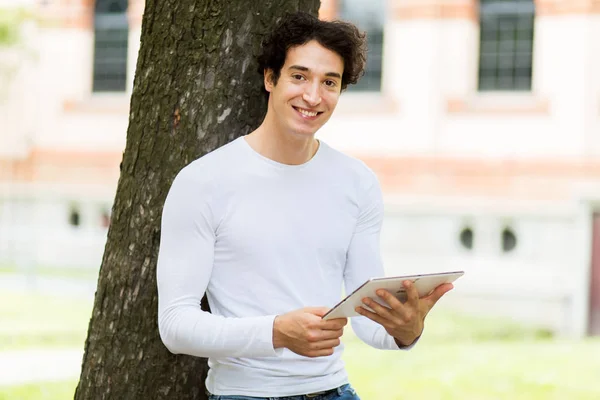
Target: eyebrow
305,69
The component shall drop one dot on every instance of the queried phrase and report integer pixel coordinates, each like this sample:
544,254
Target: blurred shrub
10,25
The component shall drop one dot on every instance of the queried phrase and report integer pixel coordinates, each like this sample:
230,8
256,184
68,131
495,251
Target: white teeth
308,113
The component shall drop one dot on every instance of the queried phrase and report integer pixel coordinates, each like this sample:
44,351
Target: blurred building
481,118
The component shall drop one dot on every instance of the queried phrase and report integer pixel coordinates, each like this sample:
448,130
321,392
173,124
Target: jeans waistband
324,392
339,390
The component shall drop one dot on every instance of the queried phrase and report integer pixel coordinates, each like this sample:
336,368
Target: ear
268,77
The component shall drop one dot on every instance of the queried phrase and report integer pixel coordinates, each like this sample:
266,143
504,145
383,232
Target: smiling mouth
307,113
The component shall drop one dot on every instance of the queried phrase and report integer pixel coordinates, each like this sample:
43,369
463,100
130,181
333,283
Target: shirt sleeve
363,262
185,263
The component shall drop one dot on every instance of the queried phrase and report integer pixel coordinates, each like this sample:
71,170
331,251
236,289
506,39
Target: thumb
318,311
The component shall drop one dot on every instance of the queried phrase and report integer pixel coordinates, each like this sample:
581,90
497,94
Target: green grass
33,320
46,391
53,272
478,370
462,357
458,357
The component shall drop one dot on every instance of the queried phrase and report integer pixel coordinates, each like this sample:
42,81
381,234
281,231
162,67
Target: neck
285,149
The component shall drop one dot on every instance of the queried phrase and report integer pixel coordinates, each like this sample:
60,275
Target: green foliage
10,25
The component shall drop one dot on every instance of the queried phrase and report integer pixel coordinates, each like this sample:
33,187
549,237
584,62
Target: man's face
308,89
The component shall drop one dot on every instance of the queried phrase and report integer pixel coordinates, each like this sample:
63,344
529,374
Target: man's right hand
304,332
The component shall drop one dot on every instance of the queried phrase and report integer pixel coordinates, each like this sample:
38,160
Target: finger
318,311
319,353
320,335
334,324
401,311
411,293
372,316
437,294
331,334
391,300
378,308
325,344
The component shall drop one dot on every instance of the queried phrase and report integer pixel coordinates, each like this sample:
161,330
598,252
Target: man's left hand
403,321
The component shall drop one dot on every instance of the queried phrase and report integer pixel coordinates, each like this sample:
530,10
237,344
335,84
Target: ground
44,322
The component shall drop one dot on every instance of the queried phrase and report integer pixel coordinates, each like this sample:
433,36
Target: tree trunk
196,88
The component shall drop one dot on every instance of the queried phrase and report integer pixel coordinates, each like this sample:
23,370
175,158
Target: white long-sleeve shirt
261,239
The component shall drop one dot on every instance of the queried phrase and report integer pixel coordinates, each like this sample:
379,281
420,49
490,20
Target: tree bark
196,88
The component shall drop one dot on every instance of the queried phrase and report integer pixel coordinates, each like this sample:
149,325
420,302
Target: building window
111,33
466,238
368,16
509,240
74,217
506,45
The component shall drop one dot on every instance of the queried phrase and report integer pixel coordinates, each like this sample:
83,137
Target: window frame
372,80
505,59
111,26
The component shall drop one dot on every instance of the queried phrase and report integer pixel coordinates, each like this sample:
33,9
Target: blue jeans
344,392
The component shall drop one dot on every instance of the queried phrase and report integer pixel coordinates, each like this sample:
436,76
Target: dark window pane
523,61
487,84
489,33
525,46
111,34
369,17
506,41
488,61
523,83
466,238
509,240
74,217
490,46
111,6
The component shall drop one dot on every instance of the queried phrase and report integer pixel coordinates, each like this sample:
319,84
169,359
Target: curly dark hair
298,28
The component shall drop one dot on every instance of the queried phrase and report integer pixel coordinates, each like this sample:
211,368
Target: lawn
33,320
458,357
53,272
42,391
529,370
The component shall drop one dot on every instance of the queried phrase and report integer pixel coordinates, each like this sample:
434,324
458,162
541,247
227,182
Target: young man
270,225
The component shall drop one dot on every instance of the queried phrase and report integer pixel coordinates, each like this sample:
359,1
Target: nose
311,95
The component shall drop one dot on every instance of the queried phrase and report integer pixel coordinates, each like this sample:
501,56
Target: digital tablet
425,284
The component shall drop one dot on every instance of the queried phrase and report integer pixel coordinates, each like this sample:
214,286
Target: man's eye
330,83
298,77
